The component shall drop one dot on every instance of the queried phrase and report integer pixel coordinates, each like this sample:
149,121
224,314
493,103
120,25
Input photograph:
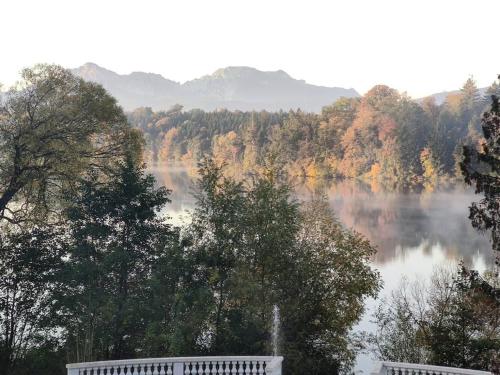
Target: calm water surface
413,231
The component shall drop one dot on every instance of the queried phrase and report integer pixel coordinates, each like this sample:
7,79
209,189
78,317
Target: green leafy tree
115,239
256,250
323,296
216,239
53,126
30,262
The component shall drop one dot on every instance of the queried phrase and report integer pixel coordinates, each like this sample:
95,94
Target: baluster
220,370
253,369
233,368
162,368
213,370
240,367
227,367
169,368
260,370
187,369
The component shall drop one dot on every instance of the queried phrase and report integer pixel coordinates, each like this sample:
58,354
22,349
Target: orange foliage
165,153
226,148
375,171
454,102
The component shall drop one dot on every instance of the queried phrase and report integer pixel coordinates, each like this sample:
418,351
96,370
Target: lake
413,231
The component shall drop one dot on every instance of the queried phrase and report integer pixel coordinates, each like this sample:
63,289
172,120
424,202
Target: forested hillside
382,135
89,269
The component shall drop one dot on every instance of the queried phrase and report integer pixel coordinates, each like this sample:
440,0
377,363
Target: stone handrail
227,365
400,368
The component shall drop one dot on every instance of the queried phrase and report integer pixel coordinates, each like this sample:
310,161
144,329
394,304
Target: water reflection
397,223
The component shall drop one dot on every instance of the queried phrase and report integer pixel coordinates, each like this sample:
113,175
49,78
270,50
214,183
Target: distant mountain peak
238,71
90,66
232,87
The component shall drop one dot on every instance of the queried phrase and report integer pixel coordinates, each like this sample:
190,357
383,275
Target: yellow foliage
333,165
375,171
165,152
454,101
312,170
430,171
225,149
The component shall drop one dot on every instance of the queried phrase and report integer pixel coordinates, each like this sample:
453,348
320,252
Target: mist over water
399,224
414,231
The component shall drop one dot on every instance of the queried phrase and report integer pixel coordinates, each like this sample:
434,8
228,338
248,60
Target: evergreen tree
481,169
115,239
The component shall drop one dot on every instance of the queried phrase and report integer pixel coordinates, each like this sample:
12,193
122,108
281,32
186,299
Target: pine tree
481,169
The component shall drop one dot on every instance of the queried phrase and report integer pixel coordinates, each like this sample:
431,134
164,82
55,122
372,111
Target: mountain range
234,88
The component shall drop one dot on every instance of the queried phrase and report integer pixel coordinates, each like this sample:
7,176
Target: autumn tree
373,128
53,126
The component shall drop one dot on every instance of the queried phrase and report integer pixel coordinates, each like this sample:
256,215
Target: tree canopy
53,127
381,136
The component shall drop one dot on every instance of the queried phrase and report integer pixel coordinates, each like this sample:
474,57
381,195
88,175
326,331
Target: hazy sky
418,46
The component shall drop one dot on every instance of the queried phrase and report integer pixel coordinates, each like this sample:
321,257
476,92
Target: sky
416,46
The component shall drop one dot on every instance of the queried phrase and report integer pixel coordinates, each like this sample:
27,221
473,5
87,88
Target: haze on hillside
234,88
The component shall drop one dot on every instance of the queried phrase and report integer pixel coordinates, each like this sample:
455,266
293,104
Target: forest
90,268
384,135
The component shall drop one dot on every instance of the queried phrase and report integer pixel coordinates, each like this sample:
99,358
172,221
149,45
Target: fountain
276,328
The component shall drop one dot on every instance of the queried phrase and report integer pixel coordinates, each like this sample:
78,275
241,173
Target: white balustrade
399,368
237,365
